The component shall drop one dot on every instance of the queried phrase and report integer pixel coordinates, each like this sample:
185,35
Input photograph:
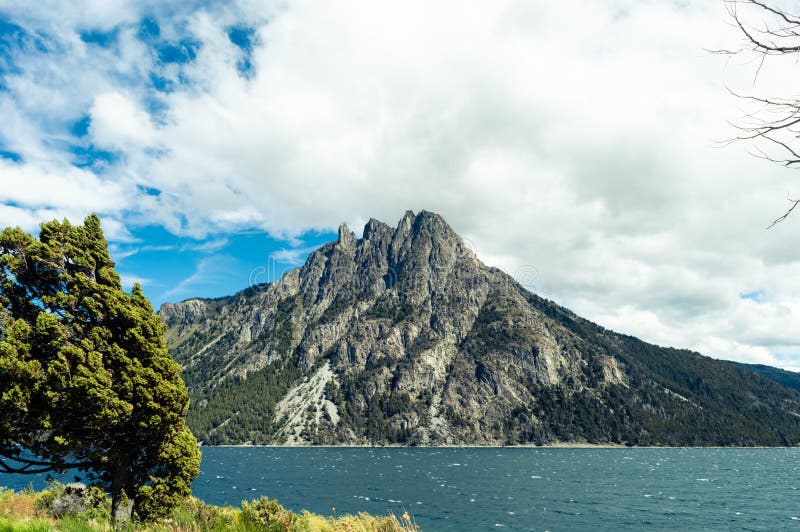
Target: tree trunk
121,493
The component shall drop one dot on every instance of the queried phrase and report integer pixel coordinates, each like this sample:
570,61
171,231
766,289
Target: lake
517,488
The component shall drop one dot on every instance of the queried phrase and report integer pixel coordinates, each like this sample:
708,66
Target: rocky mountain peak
431,225
375,227
425,220
407,220
404,336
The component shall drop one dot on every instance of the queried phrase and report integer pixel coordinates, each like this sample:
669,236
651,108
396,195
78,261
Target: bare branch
775,121
785,215
782,14
12,462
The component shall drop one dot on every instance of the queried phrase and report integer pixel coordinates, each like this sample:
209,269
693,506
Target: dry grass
18,505
22,512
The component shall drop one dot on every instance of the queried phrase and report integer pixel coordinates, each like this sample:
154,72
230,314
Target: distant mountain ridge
404,337
790,379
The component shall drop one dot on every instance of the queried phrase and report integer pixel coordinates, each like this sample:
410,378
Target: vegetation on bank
60,508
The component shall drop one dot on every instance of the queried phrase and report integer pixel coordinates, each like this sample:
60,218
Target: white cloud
102,14
117,122
576,141
210,246
119,253
11,216
34,193
291,256
130,279
61,187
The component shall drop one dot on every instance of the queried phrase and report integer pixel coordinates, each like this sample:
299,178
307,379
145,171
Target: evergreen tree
86,381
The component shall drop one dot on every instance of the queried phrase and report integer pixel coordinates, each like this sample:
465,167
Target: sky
577,145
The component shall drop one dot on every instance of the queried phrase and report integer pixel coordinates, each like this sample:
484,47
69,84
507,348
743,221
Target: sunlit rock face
404,337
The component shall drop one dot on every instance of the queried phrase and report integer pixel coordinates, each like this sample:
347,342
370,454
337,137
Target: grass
29,511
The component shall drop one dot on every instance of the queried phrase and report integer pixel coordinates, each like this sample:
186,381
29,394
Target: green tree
86,381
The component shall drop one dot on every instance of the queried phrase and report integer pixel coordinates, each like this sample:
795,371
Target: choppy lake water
518,488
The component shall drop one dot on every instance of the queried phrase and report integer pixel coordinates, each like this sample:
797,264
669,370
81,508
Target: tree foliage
86,381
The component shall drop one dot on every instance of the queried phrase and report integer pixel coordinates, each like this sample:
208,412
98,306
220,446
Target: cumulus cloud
117,122
33,193
576,141
58,187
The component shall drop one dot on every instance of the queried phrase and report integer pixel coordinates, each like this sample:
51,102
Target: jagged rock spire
347,239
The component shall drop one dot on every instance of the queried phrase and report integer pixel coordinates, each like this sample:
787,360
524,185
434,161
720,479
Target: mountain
403,336
790,379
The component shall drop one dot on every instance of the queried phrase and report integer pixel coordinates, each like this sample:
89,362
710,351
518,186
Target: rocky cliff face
404,336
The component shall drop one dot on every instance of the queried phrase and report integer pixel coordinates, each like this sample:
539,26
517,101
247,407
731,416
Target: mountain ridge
403,336
789,379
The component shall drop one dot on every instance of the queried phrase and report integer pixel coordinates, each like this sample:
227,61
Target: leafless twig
785,215
768,30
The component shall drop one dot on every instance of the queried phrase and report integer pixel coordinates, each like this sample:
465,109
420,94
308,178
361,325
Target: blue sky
170,266
574,146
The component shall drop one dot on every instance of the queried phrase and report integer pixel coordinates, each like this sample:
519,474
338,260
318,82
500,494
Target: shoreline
562,445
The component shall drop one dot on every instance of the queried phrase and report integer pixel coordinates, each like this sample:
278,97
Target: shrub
194,514
267,515
76,499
